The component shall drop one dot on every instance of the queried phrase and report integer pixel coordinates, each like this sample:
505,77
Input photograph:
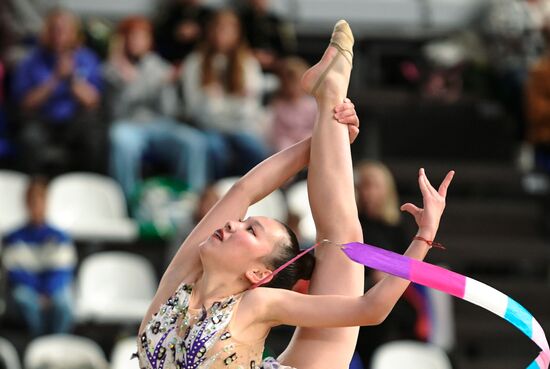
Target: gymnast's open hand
428,218
345,113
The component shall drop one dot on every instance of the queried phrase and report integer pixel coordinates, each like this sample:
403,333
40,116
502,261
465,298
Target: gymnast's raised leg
332,201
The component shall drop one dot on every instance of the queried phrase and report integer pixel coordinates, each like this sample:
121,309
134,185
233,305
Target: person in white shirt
222,84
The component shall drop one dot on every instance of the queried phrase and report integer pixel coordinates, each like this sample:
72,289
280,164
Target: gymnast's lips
218,234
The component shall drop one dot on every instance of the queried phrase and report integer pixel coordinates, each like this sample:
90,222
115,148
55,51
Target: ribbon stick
455,284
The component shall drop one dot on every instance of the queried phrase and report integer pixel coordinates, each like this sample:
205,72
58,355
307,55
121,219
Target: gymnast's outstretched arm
256,184
278,306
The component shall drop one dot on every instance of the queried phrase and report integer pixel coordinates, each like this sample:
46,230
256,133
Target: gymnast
207,312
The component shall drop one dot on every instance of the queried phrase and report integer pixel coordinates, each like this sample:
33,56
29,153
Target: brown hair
36,183
234,79
130,24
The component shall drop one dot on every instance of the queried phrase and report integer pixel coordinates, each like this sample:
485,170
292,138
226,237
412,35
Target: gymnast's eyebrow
257,223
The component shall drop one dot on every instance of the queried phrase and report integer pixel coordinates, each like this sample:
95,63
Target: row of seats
116,287
67,351
64,351
88,206
92,207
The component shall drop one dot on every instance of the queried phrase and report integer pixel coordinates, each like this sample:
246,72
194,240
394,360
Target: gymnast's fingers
431,189
410,208
353,133
445,184
422,183
346,105
348,117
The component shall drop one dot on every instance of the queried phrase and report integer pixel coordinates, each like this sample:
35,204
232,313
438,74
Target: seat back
410,355
64,351
8,354
13,186
122,352
298,203
90,207
77,197
273,205
297,197
115,275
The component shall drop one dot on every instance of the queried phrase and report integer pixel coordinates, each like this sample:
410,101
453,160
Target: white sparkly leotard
178,337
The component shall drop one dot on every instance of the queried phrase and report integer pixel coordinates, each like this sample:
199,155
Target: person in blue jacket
40,261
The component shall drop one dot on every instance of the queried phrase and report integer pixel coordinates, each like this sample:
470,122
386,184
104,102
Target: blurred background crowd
123,122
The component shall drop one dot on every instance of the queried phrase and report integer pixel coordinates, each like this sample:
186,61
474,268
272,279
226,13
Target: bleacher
493,228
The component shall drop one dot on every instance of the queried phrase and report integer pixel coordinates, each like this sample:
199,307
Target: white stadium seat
298,203
8,354
64,351
410,355
273,206
13,186
122,352
114,287
90,207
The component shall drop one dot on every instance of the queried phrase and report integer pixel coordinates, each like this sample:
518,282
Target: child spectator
40,261
292,110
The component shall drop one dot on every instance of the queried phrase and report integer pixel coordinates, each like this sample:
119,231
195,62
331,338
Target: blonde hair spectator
377,193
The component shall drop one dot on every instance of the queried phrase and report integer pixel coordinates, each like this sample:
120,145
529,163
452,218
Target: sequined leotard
178,337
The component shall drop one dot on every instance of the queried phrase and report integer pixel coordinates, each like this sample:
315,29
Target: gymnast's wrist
426,233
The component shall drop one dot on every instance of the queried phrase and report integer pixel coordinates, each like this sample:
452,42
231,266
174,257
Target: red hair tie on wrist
430,243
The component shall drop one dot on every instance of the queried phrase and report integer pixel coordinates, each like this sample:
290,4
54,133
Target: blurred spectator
40,262
143,102
180,27
512,30
222,89
58,91
20,25
269,36
292,110
379,214
378,207
537,101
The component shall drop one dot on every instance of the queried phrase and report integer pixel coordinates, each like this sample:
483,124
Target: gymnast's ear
256,275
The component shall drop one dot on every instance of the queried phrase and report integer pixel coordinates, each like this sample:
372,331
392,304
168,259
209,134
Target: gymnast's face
241,246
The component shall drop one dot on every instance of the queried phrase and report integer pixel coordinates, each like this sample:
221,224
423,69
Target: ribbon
455,284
